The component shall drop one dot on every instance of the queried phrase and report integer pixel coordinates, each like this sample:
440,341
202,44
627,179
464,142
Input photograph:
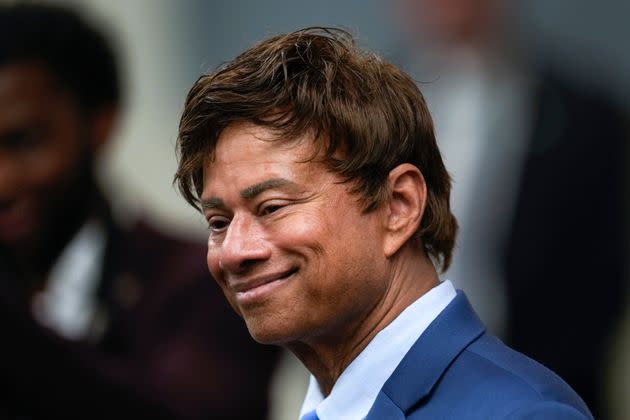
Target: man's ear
405,206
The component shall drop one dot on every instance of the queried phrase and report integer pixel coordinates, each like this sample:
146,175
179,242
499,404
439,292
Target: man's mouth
252,290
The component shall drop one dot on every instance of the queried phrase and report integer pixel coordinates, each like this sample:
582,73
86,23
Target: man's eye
271,208
218,224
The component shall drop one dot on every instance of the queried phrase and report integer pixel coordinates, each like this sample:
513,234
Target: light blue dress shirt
356,389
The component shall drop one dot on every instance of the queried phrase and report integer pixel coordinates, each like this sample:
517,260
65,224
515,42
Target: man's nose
244,245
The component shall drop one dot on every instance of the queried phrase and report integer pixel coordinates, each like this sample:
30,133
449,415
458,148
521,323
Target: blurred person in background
537,164
90,304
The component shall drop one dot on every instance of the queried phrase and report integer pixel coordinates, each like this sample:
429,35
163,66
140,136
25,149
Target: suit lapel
447,336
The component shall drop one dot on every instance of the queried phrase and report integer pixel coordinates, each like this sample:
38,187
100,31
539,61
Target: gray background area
166,45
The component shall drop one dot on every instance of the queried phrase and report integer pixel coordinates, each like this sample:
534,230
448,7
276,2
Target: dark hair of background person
363,112
80,58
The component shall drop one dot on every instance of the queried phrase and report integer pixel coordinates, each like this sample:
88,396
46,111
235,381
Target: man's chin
270,335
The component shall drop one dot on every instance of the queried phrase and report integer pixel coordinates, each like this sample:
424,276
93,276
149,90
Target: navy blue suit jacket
455,370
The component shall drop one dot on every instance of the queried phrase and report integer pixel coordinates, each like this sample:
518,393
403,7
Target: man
101,319
316,167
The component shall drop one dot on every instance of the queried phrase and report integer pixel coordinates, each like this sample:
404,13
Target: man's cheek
212,261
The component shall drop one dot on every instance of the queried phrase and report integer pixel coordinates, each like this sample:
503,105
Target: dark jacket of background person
566,253
163,342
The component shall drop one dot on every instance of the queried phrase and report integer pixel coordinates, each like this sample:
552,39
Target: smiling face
43,156
289,244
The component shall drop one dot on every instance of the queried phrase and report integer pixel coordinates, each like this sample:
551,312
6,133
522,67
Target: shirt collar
356,389
68,303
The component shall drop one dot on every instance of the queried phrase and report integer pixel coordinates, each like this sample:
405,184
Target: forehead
246,142
246,154
245,145
25,80
25,89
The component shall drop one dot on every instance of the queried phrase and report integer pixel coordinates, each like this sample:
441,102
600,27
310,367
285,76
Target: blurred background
479,64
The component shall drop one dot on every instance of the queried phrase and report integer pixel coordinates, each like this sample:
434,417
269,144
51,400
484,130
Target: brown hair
317,81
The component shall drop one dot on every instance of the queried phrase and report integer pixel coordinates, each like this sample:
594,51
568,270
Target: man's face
42,152
288,243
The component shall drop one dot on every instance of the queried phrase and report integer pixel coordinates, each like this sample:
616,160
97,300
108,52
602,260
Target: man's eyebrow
256,189
248,193
212,203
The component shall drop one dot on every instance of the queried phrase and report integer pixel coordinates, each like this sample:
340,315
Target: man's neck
328,355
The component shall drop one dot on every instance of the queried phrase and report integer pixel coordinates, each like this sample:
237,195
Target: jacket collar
427,360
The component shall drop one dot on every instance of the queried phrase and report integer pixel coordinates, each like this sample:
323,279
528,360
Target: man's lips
245,285
256,289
